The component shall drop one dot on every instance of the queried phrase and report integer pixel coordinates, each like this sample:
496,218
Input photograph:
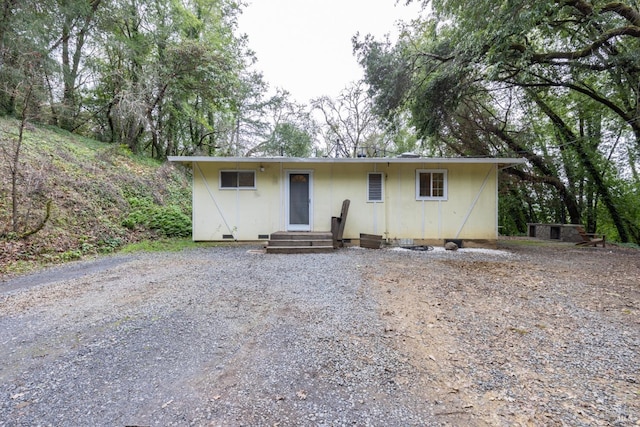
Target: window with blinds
375,187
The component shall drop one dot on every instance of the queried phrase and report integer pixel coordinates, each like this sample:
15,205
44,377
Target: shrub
168,221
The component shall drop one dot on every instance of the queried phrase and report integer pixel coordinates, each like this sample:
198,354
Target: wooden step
301,235
292,242
302,243
299,249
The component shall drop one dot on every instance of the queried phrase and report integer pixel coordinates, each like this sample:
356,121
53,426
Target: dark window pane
299,199
228,179
246,179
425,185
235,179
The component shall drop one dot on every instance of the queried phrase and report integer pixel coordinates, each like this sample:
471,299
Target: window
431,184
374,187
238,179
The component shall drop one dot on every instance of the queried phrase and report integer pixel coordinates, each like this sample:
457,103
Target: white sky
304,46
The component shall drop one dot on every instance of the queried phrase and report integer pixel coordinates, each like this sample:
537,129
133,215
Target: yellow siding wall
468,213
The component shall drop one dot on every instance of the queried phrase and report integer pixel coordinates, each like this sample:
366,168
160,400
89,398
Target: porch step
301,243
300,235
287,242
299,249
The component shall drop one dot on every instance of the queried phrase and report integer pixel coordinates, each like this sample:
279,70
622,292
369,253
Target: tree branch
550,57
619,8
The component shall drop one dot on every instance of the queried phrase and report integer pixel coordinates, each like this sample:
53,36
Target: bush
171,222
168,221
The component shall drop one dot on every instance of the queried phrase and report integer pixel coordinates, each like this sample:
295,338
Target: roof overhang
500,161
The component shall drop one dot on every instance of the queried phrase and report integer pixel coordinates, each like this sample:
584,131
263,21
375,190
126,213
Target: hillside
101,197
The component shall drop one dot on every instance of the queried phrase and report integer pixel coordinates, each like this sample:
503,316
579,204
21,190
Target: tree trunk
590,167
71,63
549,177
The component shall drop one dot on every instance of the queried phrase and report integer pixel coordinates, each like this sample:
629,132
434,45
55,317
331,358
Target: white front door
299,200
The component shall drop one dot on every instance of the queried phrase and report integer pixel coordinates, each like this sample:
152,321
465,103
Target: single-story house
425,200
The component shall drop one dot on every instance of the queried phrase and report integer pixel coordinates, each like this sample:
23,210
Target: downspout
424,207
440,219
375,205
473,205
386,205
206,184
237,212
497,170
281,216
440,225
423,215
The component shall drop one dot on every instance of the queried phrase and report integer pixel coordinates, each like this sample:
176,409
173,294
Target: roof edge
512,161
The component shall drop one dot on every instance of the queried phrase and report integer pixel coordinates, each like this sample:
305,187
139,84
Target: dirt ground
508,342
533,334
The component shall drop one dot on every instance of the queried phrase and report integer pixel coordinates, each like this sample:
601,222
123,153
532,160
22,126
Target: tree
288,128
19,43
473,86
73,23
26,97
160,76
350,126
170,76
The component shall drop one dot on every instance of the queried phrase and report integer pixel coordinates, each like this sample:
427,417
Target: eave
502,162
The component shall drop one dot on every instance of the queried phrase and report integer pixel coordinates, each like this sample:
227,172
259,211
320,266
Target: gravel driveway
231,336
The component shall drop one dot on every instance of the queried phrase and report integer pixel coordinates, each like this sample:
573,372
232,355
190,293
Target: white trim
432,171
288,225
359,160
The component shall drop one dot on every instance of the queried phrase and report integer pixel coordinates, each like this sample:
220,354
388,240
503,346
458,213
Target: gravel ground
230,336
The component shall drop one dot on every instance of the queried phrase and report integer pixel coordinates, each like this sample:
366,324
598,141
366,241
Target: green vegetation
559,85
159,77
116,86
166,245
102,197
169,221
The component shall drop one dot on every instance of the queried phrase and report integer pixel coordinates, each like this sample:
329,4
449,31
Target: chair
590,239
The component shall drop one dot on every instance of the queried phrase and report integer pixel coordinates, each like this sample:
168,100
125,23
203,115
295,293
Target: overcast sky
304,46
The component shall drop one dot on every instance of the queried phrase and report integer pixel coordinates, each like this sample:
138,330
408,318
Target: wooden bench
338,223
591,239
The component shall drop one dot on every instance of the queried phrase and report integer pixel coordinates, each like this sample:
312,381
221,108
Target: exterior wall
244,214
469,212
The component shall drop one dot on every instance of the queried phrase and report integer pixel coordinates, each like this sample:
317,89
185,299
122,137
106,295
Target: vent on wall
227,236
263,236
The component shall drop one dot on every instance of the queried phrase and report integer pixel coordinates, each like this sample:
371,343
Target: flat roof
505,161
